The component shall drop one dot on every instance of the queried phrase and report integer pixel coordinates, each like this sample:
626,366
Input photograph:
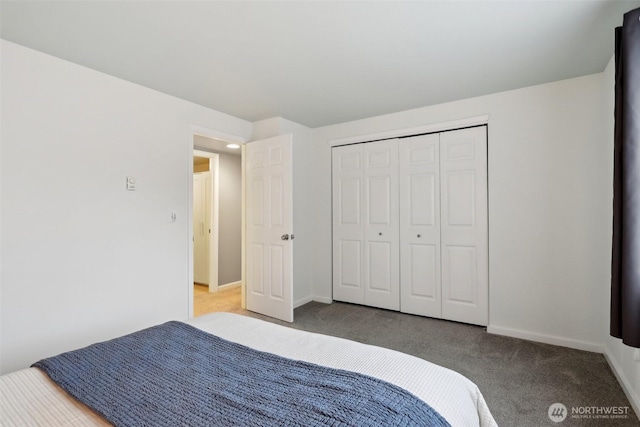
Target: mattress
28,397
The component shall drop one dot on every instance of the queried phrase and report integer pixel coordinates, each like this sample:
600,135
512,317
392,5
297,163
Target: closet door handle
418,236
285,237
379,234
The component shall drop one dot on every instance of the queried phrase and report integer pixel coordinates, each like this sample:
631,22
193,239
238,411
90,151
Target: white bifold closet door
464,225
348,231
410,228
443,225
419,175
365,225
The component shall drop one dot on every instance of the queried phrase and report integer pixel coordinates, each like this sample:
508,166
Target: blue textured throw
177,375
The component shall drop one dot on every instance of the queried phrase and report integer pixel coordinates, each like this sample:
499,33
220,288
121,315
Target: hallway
225,300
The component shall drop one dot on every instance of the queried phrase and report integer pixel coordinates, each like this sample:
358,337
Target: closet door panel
379,266
422,279
348,231
460,273
349,256
381,246
464,231
419,185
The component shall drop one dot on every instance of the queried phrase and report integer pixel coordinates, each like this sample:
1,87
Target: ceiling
324,62
213,145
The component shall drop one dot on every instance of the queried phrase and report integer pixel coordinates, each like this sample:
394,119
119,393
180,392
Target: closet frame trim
413,131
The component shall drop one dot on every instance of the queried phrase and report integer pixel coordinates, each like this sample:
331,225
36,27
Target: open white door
269,227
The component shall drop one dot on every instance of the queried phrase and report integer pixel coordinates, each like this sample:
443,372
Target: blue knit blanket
177,375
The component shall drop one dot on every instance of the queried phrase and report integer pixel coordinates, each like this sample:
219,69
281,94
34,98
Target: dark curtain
625,269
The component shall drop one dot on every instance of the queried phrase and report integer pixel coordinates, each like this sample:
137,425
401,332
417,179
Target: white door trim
194,130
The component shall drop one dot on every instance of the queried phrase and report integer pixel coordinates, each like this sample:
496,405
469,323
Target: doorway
205,220
217,225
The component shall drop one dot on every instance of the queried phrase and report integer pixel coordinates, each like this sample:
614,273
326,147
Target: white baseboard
302,301
625,383
230,285
547,339
323,300
305,300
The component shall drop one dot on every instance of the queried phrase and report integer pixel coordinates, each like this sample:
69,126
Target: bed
29,397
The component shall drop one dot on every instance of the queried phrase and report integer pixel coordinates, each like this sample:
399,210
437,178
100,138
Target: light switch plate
131,183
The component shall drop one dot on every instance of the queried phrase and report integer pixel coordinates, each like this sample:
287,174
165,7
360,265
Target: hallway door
201,226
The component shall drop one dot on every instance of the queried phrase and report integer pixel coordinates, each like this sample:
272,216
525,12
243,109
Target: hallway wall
230,221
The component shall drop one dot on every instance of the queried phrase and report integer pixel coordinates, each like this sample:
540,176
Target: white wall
305,203
80,254
230,220
83,260
624,360
548,226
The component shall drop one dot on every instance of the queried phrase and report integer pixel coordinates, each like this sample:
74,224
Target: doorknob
285,237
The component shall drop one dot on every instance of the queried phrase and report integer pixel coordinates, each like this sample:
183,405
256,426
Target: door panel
277,272
379,264
463,162
350,250
423,276
256,189
201,214
382,254
379,196
255,279
206,229
348,231
460,193
269,217
460,273
422,201
419,185
349,208
277,201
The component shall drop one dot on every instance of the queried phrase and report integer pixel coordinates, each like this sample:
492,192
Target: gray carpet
519,379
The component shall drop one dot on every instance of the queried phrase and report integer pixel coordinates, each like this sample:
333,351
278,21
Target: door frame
214,215
216,134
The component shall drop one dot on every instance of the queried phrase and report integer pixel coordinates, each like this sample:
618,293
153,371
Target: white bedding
29,398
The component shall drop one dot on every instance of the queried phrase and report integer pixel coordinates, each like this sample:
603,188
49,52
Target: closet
410,229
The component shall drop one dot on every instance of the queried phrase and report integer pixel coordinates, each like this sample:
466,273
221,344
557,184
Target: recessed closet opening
410,223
